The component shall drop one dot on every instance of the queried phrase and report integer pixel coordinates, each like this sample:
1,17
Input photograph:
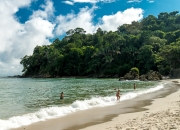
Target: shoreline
106,117
163,113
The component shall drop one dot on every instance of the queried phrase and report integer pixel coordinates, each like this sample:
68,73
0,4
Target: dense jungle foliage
150,44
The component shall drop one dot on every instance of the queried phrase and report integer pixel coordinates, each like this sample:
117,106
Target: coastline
114,117
163,113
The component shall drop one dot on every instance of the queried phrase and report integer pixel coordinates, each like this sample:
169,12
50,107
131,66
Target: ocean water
24,101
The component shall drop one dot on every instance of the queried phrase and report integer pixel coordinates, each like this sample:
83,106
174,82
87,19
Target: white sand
163,114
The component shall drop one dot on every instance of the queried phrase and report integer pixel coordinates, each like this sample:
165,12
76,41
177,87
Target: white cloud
18,40
150,1
71,2
138,1
85,1
46,13
84,19
131,1
68,2
112,22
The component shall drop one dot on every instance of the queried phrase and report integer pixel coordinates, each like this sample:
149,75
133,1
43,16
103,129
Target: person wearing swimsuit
62,95
118,95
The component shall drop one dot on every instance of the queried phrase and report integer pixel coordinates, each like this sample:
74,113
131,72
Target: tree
156,42
135,71
150,44
146,59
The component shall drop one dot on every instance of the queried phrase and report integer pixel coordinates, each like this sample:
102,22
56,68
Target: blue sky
27,23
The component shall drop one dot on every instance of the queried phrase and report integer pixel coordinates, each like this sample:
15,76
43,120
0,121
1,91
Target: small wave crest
54,112
131,95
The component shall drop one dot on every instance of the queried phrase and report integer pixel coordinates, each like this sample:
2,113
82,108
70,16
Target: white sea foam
54,112
131,95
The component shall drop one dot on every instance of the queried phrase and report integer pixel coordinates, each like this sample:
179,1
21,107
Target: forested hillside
150,44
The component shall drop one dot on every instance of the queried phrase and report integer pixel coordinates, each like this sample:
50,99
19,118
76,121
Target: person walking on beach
118,95
61,95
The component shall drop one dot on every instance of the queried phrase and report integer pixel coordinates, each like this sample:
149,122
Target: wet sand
138,113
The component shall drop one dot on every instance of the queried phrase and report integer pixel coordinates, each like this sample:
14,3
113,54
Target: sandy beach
153,111
162,114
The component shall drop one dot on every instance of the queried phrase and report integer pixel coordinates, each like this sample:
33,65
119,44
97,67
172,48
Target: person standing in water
62,95
118,95
134,86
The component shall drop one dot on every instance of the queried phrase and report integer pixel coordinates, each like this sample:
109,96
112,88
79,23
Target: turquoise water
22,96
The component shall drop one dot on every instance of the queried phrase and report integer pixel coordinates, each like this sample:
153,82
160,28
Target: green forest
150,44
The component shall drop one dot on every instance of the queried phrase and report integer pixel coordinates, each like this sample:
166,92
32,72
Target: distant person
62,95
134,86
118,95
